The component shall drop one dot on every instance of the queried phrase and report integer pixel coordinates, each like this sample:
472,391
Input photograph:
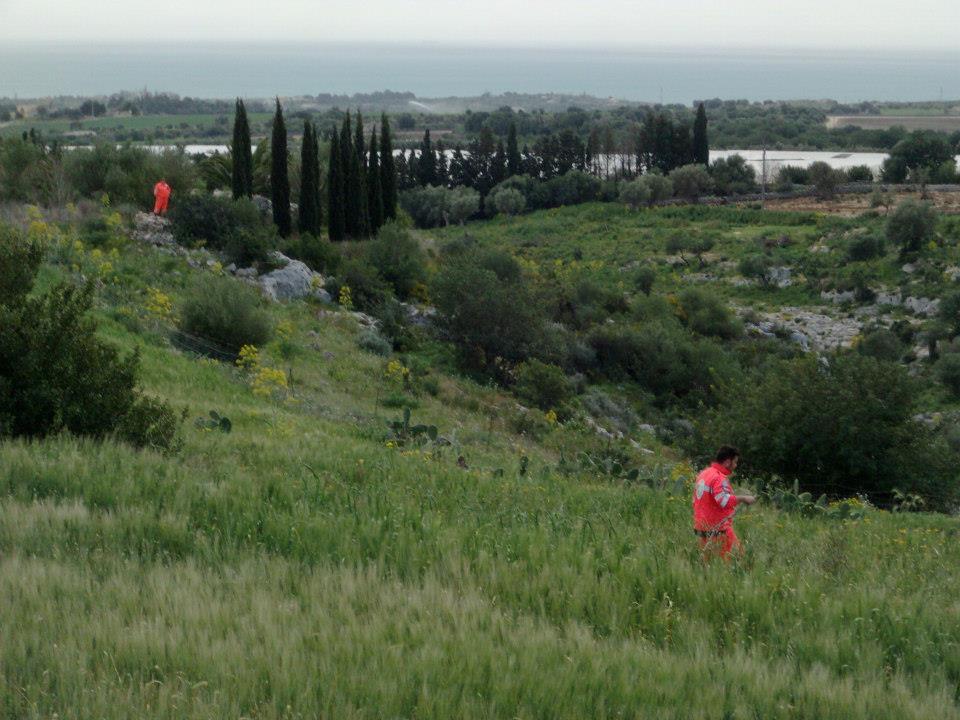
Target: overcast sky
838,24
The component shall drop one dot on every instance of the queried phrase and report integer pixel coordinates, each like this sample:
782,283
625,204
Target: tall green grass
300,568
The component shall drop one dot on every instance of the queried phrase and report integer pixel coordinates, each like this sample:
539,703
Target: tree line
361,186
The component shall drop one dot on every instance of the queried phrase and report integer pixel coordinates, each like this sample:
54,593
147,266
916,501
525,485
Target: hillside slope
309,563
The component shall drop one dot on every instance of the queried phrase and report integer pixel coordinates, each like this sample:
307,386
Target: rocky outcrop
152,229
293,281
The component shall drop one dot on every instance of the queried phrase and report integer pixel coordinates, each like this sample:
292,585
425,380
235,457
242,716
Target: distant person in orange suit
161,191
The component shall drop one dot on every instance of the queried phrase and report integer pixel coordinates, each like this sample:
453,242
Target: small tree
242,154
635,194
911,226
701,145
660,186
644,279
733,176
691,181
462,204
824,179
948,372
508,201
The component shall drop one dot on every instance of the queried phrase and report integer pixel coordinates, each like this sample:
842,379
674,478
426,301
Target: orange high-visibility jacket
161,190
713,499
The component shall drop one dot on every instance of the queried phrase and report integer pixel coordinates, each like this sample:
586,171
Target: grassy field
106,126
301,567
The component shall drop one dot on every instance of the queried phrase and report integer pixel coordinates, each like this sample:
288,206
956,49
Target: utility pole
763,176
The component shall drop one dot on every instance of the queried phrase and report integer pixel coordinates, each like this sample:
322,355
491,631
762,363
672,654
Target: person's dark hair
726,452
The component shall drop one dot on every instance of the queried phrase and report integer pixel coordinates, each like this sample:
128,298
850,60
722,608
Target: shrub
705,314
911,226
680,244
881,344
661,358
635,194
571,188
319,254
644,278
757,267
865,247
733,176
660,187
949,311
691,181
373,342
790,175
397,256
824,179
150,423
127,174
486,309
367,288
948,373
433,206
19,262
56,374
233,226
507,201
226,312
859,174
542,385
840,427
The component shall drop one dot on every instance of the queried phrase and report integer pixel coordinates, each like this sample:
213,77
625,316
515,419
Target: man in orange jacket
714,504
161,191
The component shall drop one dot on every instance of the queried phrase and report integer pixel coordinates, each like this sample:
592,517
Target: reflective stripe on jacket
713,499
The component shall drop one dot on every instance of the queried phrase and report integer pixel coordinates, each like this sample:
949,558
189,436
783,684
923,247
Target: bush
949,311
757,267
881,344
644,278
571,188
681,244
367,288
373,342
911,226
660,187
233,226
150,423
127,174
706,314
19,262
635,194
507,201
839,428
661,358
824,179
865,247
542,385
433,206
790,175
319,254
226,312
691,181
487,309
733,176
859,174
948,373
55,373
397,256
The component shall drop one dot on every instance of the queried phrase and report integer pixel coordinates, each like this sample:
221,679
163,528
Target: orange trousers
723,544
161,205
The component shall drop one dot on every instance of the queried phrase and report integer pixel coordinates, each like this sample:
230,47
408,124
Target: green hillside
315,563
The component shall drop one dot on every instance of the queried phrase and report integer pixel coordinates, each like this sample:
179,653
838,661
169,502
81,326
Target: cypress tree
499,167
427,163
388,173
279,176
360,153
242,173
309,218
351,211
514,161
374,187
316,176
336,217
701,144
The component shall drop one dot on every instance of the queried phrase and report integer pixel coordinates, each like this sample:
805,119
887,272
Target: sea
226,70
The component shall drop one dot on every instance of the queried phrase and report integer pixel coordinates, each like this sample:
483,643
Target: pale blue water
227,70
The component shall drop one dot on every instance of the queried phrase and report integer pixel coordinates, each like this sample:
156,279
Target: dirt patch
852,205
